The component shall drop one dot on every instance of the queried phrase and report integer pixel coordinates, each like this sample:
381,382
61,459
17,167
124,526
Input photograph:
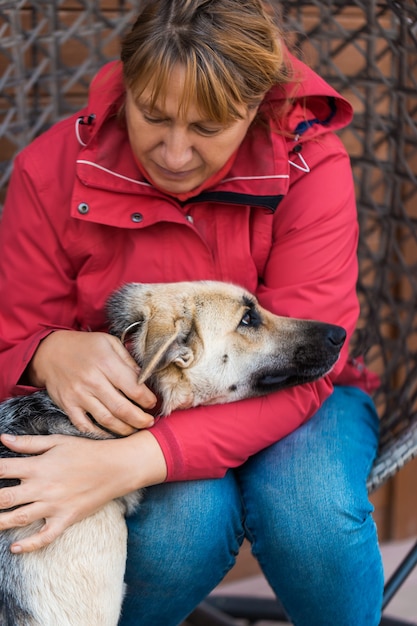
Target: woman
207,153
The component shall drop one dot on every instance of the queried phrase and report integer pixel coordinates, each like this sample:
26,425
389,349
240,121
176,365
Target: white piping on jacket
138,182
77,131
104,169
304,167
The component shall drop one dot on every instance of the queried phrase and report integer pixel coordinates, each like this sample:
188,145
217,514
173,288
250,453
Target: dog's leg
75,581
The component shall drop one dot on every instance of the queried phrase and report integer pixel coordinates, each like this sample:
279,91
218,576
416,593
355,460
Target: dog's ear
165,342
161,329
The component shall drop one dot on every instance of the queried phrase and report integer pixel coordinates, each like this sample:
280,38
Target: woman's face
180,152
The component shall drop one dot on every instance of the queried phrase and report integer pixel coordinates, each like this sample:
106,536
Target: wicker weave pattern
394,456
376,44
49,52
368,51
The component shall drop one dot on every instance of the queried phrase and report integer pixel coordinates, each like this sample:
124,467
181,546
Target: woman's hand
70,478
92,374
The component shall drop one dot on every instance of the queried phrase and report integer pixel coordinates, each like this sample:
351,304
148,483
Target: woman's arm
41,344
311,274
72,477
68,478
36,280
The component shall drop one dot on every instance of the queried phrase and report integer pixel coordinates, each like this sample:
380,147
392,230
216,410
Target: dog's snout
336,336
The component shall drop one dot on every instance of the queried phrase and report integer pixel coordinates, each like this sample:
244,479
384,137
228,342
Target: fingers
85,422
29,514
115,395
26,444
17,502
124,355
99,417
106,393
94,379
40,503
110,410
21,517
114,406
47,534
126,378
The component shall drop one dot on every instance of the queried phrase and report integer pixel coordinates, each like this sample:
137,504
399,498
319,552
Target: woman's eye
153,120
203,130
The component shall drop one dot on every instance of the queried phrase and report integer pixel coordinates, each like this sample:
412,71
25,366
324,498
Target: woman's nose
177,150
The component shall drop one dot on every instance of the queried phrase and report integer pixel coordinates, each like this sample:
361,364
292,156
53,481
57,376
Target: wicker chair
379,40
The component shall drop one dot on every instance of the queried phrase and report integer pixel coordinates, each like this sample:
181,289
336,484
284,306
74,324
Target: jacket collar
258,176
260,171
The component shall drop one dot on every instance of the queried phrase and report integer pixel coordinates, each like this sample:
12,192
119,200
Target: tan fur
97,568
194,349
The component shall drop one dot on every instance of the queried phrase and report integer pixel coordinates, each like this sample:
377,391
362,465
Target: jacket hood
298,110
307,104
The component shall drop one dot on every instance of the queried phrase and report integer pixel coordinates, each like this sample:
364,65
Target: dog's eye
250,318
246,319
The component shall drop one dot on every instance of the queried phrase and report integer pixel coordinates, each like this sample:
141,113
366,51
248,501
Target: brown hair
230,50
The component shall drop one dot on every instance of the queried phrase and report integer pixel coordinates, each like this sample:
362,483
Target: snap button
189,218
136,217
83,208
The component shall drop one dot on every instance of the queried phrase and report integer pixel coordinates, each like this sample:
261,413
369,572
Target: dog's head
210,342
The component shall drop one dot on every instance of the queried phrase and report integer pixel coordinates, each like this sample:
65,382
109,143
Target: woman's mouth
180,175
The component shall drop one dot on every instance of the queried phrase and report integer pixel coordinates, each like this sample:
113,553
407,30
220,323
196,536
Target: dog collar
128,330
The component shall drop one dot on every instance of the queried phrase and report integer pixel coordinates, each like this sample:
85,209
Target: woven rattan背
368,52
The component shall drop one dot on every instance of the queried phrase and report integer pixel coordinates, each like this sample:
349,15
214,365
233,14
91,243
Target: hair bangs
210,88
216,92
230,52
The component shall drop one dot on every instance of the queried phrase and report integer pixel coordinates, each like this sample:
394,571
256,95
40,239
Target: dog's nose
336,336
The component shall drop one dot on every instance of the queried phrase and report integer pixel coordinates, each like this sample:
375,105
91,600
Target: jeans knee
322,560
186,535
180,527
310,520
330,521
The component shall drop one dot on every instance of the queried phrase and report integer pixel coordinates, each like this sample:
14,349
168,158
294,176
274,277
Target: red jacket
80,220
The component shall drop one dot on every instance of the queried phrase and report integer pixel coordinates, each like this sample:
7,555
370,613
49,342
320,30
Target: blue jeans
303,505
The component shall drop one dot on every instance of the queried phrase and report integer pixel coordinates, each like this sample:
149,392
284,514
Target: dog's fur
196,343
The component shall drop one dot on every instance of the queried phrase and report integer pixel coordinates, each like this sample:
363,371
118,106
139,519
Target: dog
197,343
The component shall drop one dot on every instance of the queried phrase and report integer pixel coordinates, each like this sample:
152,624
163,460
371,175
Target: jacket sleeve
33,266
311,273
